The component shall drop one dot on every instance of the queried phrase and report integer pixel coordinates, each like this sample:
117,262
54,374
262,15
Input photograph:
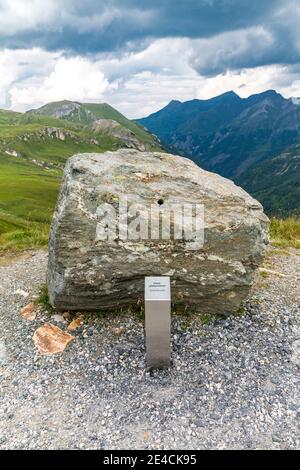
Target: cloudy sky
137,55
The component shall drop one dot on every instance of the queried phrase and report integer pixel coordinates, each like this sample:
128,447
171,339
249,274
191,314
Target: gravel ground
234,383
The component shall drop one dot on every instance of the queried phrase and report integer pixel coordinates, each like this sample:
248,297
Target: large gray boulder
88,272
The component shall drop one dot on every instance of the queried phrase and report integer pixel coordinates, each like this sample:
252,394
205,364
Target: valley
254,141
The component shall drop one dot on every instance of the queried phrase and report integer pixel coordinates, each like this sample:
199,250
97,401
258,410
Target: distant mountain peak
226,96
295,101
271,92
173,103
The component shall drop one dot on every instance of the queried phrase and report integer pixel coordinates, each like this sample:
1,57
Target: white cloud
233,50
161,56
245,82
149,79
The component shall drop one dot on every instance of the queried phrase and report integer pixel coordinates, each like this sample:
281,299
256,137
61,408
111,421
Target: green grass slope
33,152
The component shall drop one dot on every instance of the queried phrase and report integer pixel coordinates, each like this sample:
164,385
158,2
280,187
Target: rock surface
89,274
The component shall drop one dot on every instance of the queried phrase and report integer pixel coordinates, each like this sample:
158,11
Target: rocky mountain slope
87,114
236,138
233,384
33,150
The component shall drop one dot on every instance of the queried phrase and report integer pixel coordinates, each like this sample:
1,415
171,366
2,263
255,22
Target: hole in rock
160,202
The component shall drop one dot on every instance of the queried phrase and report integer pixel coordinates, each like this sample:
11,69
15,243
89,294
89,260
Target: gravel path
235,383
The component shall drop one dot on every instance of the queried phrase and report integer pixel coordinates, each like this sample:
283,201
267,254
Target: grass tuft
241,311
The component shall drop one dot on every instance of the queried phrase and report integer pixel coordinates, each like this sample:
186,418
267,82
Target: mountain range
33,150
254,141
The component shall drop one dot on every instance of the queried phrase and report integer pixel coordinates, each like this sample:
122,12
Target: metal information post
158,322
